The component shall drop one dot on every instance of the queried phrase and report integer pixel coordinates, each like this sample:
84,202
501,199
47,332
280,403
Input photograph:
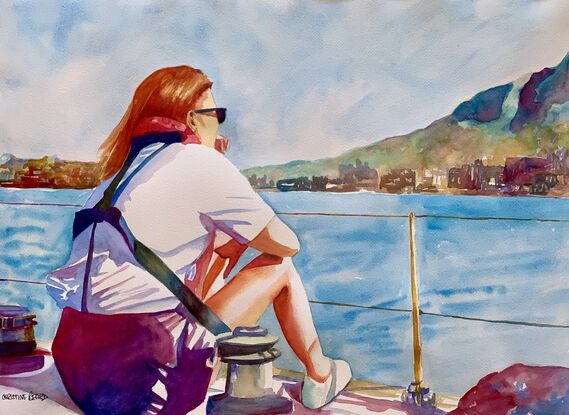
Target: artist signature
31,396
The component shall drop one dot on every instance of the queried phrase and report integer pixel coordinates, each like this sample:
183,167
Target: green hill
526,117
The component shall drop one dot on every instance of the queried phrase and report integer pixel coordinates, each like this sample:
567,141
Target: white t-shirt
186,199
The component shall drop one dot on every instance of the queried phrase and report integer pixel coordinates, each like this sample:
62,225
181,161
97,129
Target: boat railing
419,392
415,310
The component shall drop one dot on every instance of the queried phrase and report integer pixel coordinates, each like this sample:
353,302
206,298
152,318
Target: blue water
504,270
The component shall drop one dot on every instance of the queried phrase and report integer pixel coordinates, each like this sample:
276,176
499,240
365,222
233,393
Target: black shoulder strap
155,266
138,144
105,211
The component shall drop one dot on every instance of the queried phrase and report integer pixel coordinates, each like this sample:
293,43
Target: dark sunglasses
220,113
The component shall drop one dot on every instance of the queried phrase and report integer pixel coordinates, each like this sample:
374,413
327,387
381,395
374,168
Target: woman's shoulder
201,156
185,166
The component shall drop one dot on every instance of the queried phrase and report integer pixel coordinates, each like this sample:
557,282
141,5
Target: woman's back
186,200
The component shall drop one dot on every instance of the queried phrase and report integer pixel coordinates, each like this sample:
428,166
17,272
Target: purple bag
110,363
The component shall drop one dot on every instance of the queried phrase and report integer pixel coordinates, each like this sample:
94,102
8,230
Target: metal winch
249,354
17,336
18,351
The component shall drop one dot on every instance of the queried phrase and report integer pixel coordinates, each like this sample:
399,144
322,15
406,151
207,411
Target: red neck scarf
150,125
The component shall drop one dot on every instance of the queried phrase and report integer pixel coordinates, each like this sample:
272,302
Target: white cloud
301,79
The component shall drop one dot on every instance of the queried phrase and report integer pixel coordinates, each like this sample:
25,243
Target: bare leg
272,280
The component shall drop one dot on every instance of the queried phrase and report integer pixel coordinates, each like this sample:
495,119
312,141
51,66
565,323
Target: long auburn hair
168,92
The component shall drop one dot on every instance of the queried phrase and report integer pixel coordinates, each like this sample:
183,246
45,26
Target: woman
124,338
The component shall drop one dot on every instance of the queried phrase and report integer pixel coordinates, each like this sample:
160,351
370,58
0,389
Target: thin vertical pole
417,365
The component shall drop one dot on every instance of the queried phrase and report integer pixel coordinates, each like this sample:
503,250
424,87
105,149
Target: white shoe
317,394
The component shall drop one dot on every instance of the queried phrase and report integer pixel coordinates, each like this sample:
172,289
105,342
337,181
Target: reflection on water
490,269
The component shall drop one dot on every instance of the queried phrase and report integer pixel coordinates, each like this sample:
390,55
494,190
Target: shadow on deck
360,398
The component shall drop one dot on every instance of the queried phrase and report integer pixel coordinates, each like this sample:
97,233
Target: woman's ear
191,121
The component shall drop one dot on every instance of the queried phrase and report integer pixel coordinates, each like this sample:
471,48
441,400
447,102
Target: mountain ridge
527,116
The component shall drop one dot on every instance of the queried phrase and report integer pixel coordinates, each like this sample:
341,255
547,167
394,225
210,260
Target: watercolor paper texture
401,167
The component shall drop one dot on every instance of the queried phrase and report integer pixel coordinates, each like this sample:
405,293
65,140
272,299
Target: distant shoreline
556,193
563,195
15,186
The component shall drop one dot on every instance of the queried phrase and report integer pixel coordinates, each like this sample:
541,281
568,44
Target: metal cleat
418,394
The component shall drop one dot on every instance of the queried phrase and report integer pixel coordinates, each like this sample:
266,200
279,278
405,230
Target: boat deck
360,398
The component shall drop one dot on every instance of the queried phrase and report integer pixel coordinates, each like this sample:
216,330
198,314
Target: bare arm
276,239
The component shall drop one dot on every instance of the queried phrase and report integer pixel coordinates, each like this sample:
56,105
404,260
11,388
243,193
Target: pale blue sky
302,79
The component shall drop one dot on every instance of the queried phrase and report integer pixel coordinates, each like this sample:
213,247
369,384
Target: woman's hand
221,144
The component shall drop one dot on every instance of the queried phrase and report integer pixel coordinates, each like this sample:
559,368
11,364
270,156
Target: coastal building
476,176
358,176
432,180
399,181
319,183
558,164
296,184
46,173
528,175
434,177
458,177
262,182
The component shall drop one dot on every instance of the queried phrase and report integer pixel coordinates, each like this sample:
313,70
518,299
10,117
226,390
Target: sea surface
484,269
